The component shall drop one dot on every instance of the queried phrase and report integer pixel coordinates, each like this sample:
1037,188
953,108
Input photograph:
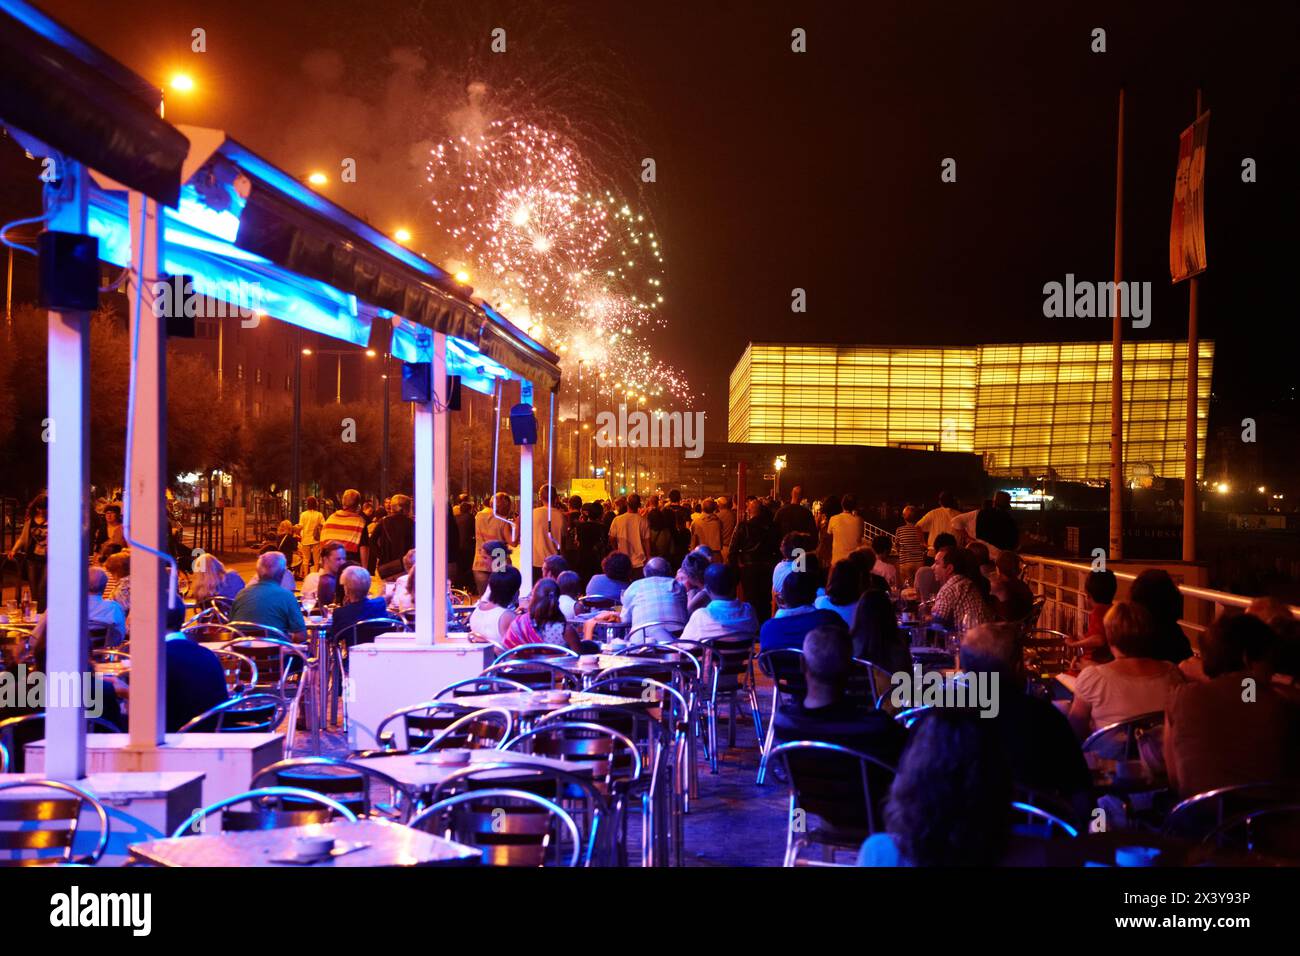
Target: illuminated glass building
1033,407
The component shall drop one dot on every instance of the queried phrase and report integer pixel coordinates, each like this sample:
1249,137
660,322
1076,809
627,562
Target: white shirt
543,546
886,571
718,618
846,534
937,522
397,595
629,532
310,522
965,524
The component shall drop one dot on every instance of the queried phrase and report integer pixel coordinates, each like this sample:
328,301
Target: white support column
441,449
146,482
424,515
526,500
67,433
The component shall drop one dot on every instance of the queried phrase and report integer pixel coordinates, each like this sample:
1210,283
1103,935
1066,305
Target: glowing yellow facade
1033,406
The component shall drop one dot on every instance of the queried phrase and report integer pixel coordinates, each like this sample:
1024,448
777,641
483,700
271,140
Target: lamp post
383,458
779,466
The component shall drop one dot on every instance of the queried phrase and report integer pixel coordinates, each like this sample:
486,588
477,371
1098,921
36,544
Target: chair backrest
419,724
262,632
612,756
526,651
341,780
485,729
98,634
280,664
363,632
577,793
1271,831
1042,822
1119,740
473,686
674,710
41,830
1204,813
215,609
536,675
911,715
250,714
844,787
267,812
1046,652
211,632
673,628
681,659
240,670
595,602
510,827
17,732
869,684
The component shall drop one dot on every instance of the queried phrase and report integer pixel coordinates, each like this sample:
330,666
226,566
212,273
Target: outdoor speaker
415,381
453,393
69,271
523,425
180,320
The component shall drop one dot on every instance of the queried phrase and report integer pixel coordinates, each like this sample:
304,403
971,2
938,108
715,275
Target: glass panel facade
1033,406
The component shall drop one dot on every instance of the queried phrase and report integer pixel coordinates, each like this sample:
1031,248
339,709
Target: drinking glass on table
308,605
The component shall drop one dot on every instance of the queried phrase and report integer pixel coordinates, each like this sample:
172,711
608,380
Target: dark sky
821,170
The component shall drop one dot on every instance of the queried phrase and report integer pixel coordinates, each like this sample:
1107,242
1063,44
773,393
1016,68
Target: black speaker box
416,381
523,425
69,271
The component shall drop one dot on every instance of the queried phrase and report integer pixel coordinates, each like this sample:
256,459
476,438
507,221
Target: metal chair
784,666
1042,820
214,609
527,651
1046,652
17,732
240,671
473,686
510,827
267,812
108,655
251,714
911,715
1271,831
730,673
420,725
594,602
576,793
536,675
869,684
211,632
1204,814
485,729
336,660
47,823
98,635
674,628
4,759
843,787
342,780
1121,737
282,669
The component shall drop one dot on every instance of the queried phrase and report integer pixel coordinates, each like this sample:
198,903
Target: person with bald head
656,597
357,604
107,613
266,601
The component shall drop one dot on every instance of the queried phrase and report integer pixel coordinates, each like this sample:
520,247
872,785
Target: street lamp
779,466
338,354
403,236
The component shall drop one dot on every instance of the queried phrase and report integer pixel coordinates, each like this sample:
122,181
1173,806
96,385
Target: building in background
1025,409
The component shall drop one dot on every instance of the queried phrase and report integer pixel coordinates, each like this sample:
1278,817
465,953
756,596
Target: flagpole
1116,552
1193,401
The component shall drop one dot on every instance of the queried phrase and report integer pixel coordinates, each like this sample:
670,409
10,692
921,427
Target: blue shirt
790,628
267,603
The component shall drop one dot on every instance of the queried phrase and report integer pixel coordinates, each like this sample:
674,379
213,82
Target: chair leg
733,703
713,736
766,747
755,713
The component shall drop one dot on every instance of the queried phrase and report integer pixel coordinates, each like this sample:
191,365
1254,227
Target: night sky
821,170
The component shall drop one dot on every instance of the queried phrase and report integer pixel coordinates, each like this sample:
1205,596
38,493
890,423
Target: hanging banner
1187,230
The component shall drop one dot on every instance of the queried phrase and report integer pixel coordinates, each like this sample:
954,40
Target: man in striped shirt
347,526
911,544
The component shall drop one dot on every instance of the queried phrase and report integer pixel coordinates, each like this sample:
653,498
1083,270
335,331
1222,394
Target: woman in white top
493,615
1132,684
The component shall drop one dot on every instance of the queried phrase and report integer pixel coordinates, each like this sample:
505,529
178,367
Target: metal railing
1066,606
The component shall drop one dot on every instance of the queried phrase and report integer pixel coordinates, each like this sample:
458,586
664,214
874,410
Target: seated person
691,577
876,635
724,615
925,581
266,602
824,713
570,585
1040,748
948,805
1134,683
1232,728
552,567
882,544
655,597
1100,588
397,593
357,606
842,592
106,613
796,547
543,622
321,585
617,568
1156,591
796,616
865,560
196,681
1010,596
495,611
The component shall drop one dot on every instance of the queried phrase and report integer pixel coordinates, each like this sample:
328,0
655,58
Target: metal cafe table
422,772
385,844
529,705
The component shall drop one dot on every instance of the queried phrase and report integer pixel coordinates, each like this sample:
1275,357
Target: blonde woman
210,579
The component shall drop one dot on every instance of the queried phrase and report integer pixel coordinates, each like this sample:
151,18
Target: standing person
754,555
465,538
112,537
346,526
32,544
911,546
630,534
938,520
662,522
592,540
548,528
726,515
310,523
706,529
996,527
372,518
794,516
845,529
394,537
491,524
